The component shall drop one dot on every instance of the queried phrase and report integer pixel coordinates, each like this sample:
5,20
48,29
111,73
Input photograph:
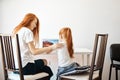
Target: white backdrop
84,17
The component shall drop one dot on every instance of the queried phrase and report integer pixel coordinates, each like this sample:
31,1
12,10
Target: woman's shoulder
25,30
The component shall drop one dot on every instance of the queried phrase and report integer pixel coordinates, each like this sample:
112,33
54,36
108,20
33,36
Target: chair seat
83,76
13,76
116,65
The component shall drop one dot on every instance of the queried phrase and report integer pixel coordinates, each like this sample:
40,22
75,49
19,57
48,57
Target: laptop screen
48,42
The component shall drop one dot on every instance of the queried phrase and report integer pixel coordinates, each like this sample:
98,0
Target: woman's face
33,24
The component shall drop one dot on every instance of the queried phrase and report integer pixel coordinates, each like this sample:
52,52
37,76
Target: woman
28,32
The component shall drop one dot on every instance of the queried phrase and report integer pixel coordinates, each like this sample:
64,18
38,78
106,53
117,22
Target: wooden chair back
98,57
11,57
8,55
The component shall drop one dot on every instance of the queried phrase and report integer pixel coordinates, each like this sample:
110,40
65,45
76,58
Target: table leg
82,59
88,59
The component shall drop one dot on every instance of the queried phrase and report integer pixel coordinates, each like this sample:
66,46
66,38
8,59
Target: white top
25,36
63,56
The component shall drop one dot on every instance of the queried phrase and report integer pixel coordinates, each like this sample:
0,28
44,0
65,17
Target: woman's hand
49,50
57,45
54,47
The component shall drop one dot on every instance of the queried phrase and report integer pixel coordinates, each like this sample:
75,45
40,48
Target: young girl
65,54
28,32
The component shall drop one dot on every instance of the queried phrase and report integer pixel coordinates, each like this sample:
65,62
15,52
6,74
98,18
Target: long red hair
67,33
26,23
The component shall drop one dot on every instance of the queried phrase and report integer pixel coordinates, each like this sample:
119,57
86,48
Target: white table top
76,50
82,50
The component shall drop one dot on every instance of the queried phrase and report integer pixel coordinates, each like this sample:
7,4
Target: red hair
26,23
67,33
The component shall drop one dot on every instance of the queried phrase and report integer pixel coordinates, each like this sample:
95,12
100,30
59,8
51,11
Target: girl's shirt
25,36
63,56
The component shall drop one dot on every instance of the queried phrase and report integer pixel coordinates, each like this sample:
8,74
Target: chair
96,68
8,58
115,59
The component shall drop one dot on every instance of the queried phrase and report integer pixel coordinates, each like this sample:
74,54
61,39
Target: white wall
85,17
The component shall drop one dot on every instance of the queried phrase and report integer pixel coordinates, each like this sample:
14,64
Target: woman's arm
36,51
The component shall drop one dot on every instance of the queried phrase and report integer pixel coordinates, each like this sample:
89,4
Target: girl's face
62,38
33,24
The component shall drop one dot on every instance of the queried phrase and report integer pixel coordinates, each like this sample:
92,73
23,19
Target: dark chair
8,58
115,59
97,63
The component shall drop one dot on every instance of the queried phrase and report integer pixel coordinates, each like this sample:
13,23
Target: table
53,61
78,51
83,52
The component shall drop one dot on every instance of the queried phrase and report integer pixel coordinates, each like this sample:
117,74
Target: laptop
48,42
